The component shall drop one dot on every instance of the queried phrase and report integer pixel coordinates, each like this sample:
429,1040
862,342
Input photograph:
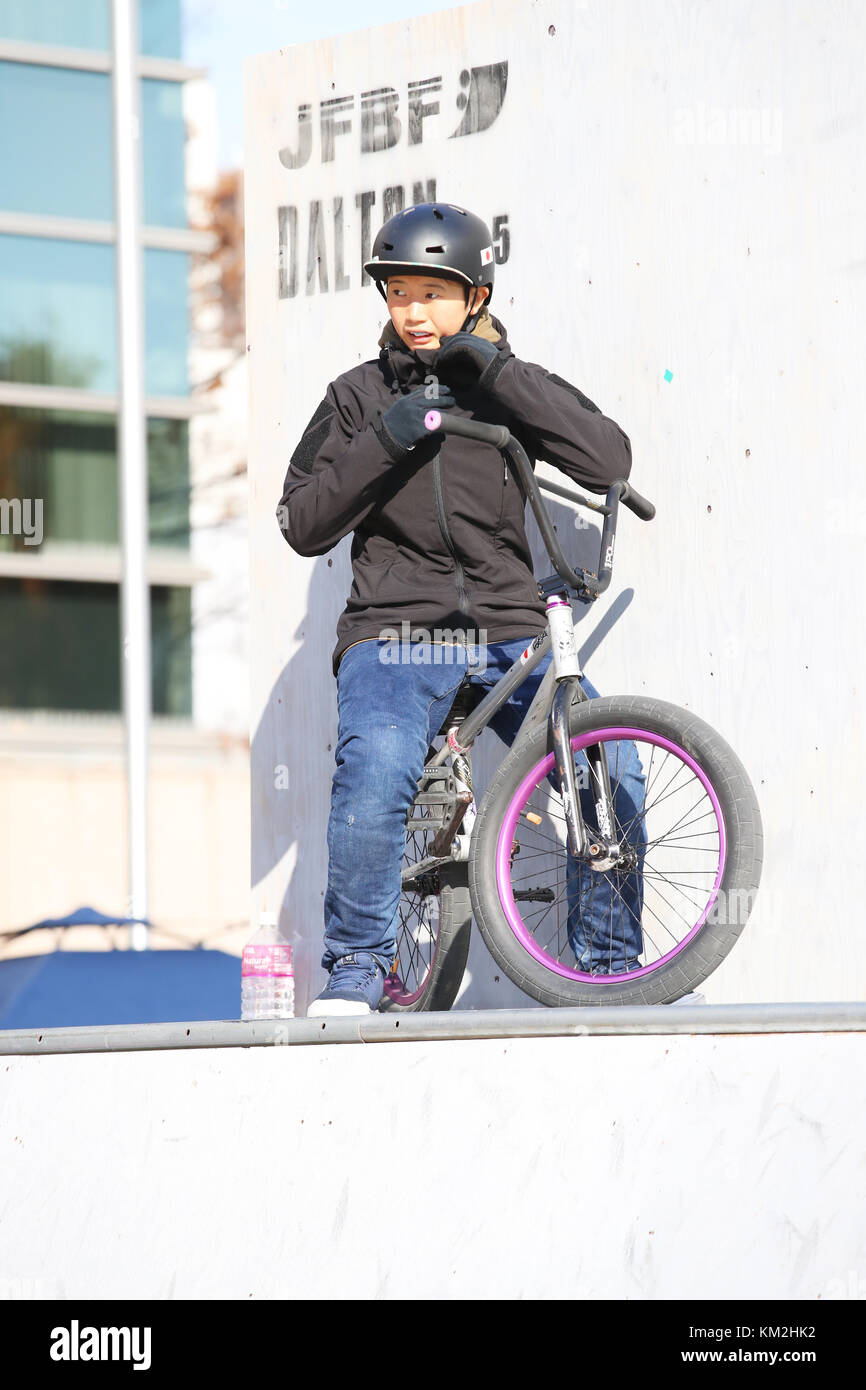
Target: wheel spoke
416,934
652,880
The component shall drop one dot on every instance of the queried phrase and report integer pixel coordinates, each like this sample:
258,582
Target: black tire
712,941
449,934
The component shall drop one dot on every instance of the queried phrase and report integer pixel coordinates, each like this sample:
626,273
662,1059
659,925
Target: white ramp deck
698,1152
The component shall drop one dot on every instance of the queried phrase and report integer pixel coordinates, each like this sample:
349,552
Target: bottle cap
267,919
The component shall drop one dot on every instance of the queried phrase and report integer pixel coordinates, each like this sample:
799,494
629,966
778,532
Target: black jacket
439,539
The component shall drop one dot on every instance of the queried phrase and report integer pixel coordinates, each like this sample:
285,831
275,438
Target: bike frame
560,686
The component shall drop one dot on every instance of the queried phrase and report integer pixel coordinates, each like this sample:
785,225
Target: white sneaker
354,986
337,1008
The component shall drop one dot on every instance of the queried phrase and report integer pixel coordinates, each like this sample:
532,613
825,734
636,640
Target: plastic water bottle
267,977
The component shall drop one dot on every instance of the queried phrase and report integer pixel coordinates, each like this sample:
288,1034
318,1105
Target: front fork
601,850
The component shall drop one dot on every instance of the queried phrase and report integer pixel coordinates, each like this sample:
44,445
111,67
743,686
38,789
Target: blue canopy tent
69,989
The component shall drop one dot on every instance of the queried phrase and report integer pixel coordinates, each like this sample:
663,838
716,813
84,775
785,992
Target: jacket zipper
439,499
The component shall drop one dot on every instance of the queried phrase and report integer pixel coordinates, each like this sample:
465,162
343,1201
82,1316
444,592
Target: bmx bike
561,832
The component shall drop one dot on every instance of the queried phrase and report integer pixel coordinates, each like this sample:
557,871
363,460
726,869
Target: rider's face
425,309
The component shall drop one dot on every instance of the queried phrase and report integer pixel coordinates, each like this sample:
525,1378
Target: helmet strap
472,317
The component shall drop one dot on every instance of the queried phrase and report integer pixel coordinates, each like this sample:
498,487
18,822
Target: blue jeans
389,713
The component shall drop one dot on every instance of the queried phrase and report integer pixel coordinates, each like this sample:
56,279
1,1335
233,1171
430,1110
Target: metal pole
132,451
641,1020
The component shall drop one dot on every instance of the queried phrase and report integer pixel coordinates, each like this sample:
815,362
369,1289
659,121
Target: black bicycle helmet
434,236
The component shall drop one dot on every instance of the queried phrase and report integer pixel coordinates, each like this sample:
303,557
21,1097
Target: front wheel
672,897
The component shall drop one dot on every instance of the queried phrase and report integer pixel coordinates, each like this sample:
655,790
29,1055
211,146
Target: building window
61,641
166,275
163,155
168,482
87,24
67,460
58,327
68,23
57,315
160,24
59,162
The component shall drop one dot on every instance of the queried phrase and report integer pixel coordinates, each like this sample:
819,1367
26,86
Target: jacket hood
410,365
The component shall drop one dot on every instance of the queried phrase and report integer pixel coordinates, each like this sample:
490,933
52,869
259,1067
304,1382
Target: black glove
402,425
463,360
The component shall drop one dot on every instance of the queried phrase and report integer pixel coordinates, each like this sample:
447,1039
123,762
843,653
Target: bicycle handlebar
620,491
500,437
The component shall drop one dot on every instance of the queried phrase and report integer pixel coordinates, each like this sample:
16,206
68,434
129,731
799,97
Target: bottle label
267,960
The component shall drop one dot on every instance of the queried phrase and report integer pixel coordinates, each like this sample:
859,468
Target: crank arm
424,866
443,838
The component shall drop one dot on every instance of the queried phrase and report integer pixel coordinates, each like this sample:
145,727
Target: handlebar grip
636,503
497,435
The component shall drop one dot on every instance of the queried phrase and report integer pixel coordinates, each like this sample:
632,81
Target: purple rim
506,838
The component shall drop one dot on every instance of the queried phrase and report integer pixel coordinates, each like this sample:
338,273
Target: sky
219,34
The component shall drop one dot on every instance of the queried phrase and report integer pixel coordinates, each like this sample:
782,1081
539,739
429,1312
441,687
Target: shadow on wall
291,766
292,762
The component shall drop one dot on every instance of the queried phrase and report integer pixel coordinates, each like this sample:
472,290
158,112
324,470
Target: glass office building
60,560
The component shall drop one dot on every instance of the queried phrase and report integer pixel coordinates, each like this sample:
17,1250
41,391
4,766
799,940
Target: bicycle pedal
442,791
